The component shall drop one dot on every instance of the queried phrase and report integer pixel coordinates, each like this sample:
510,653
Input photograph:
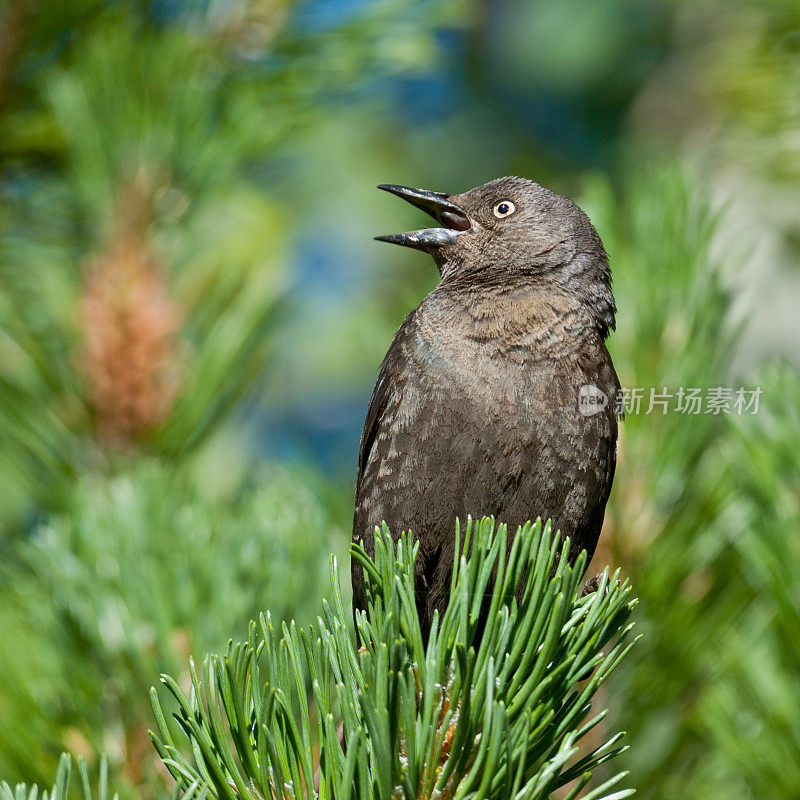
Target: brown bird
497,395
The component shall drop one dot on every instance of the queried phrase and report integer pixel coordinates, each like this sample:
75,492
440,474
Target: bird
497,395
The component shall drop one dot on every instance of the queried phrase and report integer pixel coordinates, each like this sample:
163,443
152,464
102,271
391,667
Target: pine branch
498,714
88,789
60,789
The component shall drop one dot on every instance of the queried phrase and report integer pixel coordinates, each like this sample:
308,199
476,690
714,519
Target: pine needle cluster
496,704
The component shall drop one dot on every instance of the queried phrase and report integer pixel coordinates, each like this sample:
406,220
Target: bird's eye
505,208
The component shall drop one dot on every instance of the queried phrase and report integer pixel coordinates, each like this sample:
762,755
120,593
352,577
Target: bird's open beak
448,214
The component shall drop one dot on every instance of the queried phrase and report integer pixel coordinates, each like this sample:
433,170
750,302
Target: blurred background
193,311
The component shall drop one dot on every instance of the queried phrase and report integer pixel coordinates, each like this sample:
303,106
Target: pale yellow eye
505,208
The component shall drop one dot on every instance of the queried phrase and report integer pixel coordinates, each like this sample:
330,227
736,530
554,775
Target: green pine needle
60,789
501,717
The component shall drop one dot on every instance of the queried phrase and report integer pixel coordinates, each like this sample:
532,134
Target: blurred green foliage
141,570
705,514
203,170
721,606
659,232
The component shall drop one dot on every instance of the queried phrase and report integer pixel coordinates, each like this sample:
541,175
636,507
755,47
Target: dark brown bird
479,407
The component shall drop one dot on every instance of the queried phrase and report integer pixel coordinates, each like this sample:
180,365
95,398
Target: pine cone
129,357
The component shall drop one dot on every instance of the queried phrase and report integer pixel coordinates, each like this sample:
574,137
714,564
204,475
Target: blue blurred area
325,433
324,269
319,16
420,99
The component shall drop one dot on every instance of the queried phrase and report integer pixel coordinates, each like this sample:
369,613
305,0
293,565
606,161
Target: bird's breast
515,372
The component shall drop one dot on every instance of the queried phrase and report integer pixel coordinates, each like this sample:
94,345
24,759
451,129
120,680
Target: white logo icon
591,400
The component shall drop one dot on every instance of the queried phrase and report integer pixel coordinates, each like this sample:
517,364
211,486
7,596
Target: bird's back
475,412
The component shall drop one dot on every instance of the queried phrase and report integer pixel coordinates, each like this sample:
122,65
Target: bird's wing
390,378
377,403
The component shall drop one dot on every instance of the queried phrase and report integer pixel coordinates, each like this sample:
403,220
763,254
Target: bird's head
513,228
